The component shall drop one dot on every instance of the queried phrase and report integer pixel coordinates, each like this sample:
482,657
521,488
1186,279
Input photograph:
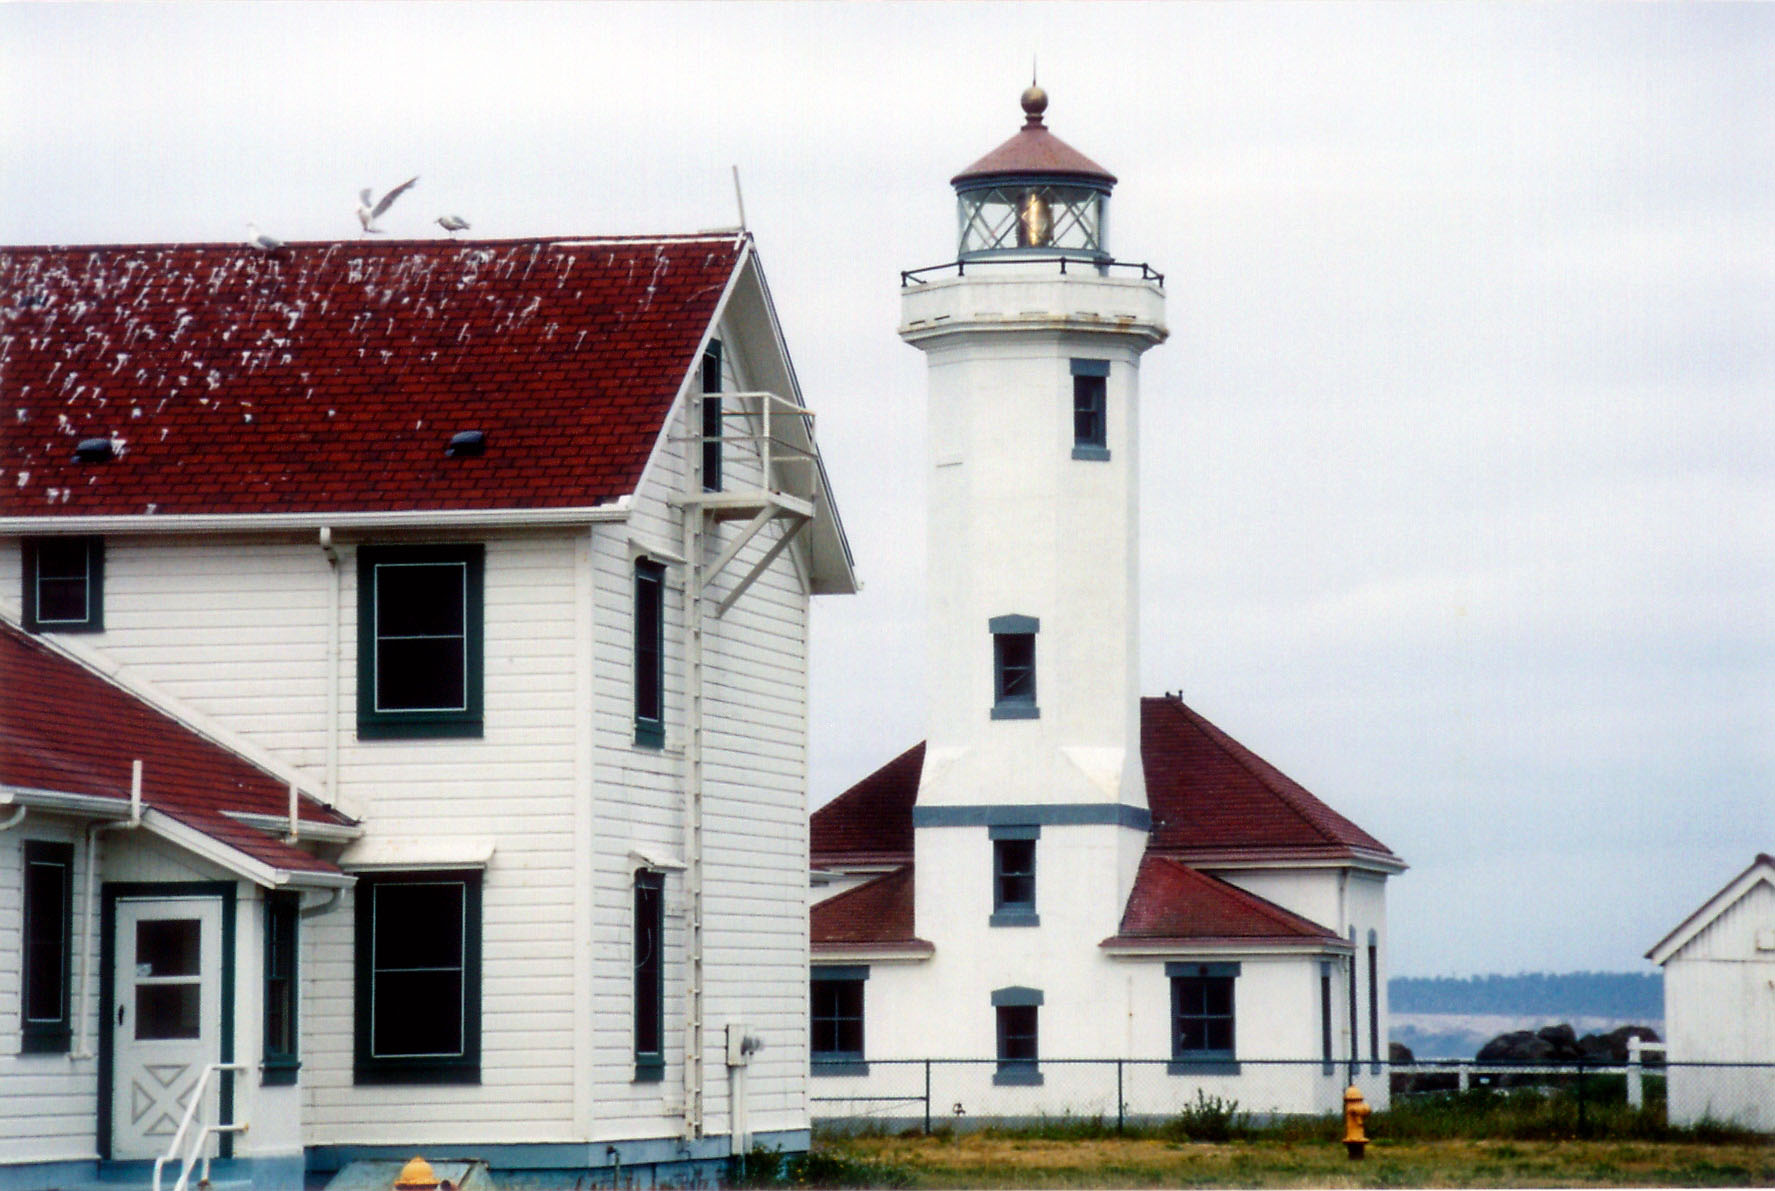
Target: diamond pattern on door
166,1091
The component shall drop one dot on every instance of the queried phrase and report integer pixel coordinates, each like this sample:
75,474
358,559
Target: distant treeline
1629,995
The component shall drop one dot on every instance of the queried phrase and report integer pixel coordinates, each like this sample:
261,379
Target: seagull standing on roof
452,223
368,215
265,240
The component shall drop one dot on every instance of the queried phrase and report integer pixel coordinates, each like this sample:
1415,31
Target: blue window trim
461,1068
712,419
374,723
650,976
1007,912
46,1035
1023,1072
842,1062
1005,630
1210,1061
1090,409
650,653
94,620
283,927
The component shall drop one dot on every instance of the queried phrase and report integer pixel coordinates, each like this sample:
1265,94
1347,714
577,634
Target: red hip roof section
65,729
878,913
1173,902
329,376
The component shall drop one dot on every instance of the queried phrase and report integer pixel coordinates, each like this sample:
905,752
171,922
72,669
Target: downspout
82,1038
18,816
333,667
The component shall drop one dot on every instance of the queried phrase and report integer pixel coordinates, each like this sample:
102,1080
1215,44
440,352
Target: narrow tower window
1017,1010
650,984
1090,409
650,654
1013,875
712,420
1013,667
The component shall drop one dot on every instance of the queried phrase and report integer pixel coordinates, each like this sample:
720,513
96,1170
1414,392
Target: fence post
1121,1104
1636,1092
927,1097
1461,1070
1582,1130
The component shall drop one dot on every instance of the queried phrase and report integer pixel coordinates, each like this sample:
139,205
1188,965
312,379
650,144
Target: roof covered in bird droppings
328,377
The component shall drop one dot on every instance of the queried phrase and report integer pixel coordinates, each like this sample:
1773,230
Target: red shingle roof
876,914
65,729
872,821
1211,797
1172,902
328,377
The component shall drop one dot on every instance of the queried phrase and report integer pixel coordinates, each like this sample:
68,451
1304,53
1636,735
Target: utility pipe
82,1028
295,818
18,816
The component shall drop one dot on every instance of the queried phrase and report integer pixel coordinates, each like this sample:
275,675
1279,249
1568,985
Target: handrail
910,277
203,1135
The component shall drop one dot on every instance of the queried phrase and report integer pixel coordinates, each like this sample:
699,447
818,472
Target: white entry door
166,1019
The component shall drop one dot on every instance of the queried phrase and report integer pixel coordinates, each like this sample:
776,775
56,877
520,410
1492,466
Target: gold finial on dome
1035,102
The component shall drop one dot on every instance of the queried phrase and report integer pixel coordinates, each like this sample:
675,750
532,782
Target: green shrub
1209,1118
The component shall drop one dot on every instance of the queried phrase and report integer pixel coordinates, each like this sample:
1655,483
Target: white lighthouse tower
1031,815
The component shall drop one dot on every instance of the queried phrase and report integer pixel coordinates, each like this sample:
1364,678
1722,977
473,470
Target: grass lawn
999,1160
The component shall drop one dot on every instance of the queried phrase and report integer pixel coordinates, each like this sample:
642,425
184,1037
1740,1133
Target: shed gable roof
1760,872
328,377
66,730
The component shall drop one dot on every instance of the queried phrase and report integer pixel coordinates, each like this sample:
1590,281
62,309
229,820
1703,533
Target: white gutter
617,510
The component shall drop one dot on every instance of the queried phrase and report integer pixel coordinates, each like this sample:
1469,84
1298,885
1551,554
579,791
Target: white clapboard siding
754,817
516,787
62,1092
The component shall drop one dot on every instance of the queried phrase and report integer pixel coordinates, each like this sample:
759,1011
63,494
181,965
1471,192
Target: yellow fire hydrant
416,1175
1356,1112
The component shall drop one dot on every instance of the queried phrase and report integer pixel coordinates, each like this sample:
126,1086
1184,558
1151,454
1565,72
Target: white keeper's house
1064,869
403,710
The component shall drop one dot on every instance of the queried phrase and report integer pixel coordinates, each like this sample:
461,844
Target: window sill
429,1073
650,1070
419,729
1084,452
1206,1065
38,1041
1015,918
278,1073
650,736
838,1065
1016,711
1020,1076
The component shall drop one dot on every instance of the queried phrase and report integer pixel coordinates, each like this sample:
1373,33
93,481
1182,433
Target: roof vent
467,444
93,450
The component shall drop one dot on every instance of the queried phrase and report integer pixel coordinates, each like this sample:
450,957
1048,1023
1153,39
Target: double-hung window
1201,1015
1013,667
47,947
1090,409
712,419
1013,875
419,641
650,979
64,585
1017,1010
650,653
419,978
281,919
836,997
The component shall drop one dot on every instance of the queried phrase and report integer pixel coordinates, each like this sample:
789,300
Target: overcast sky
1458,467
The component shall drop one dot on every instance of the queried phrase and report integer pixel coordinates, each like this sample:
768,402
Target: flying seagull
452,223
368,215
265,240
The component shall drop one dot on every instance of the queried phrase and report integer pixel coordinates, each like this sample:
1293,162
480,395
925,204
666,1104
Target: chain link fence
1451,1098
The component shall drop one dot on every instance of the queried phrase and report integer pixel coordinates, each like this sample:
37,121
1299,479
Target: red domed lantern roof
1034,152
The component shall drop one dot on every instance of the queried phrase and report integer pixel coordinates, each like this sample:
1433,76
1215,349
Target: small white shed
1719,1004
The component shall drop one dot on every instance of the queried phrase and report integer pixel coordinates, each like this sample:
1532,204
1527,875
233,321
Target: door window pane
168,947
166,1011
